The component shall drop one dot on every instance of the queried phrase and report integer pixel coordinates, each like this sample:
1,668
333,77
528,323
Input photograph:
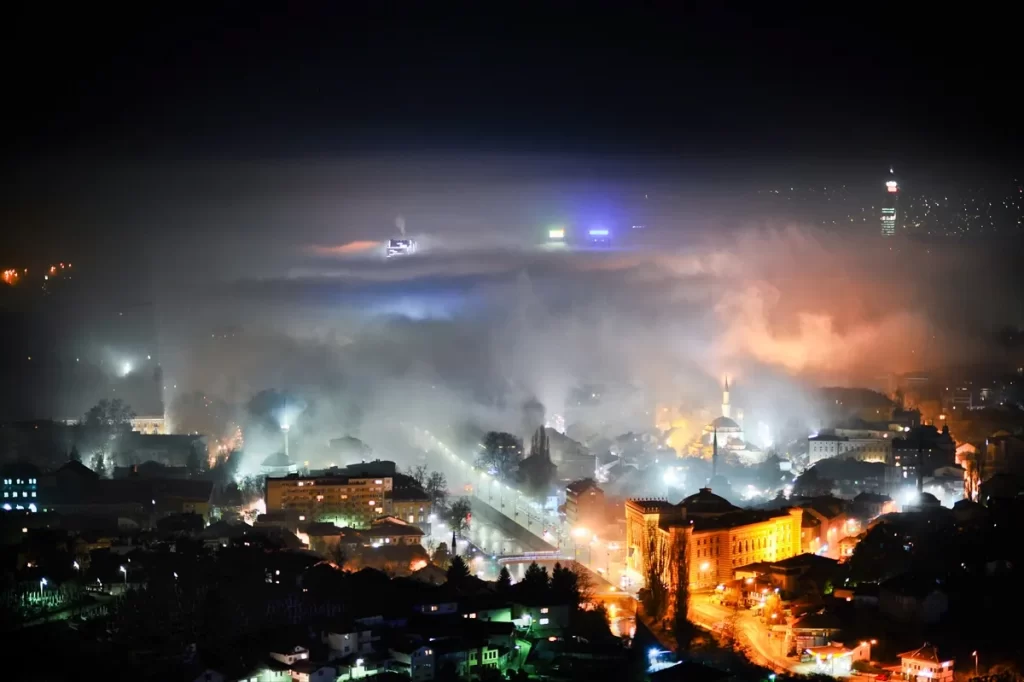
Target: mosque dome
278,464
706,503
725,425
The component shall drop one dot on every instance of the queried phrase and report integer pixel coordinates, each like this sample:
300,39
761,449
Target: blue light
599,233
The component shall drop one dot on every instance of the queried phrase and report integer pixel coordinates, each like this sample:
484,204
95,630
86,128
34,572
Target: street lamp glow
74,565
43,582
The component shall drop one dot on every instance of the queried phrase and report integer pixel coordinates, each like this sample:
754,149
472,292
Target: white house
925,665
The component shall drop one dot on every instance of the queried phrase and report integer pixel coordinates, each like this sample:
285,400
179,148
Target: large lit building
890,207
343,500
710,534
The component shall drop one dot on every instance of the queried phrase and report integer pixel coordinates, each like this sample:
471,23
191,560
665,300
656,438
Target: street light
975,655
125,571
43,582
74,565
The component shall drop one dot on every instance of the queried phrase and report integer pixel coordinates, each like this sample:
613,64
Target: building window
544,621
544,610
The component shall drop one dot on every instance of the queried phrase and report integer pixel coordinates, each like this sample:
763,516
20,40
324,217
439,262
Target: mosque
726,433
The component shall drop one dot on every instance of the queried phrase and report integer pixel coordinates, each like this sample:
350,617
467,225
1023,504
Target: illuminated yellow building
711,535
151,425
342,500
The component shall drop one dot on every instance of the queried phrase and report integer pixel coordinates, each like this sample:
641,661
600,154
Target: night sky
773,85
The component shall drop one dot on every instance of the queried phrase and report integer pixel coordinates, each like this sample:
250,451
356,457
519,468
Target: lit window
433,608
301,484
472,615
379,482
410,518
319,498
544,621
302,518
544,610
373,503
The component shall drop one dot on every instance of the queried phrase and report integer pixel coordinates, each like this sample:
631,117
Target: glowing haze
286,288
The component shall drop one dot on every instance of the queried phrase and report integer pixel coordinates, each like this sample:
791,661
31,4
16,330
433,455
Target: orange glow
346,249
417,565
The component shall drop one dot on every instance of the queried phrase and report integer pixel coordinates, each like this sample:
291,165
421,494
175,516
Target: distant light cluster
961,213
18,276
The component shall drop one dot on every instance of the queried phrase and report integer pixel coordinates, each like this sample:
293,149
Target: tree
193,463
437,490
563,585
441,558
74,455
571,585
336,554
810,484
99,465
418,473
105,423
654,596
535,583
500,454
537,470
504,581
458,516
458,572
681,625
729,635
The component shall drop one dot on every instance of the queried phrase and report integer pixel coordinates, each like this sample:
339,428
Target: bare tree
458,517
655,595
682,626
437,490
418,473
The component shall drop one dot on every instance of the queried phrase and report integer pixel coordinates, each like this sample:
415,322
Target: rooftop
872,498
926,653
740,517
409,495
278,459
832,650
725,425
706,502
818,621
581,486
912,585
651,506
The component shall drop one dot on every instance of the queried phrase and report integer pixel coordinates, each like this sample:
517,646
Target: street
752,635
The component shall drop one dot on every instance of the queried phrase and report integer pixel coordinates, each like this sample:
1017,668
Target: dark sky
316,79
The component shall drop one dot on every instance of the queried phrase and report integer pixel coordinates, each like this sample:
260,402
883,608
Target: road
604,557
751,634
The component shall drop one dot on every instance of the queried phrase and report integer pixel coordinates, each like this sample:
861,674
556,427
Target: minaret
714,452
726,408
920,467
